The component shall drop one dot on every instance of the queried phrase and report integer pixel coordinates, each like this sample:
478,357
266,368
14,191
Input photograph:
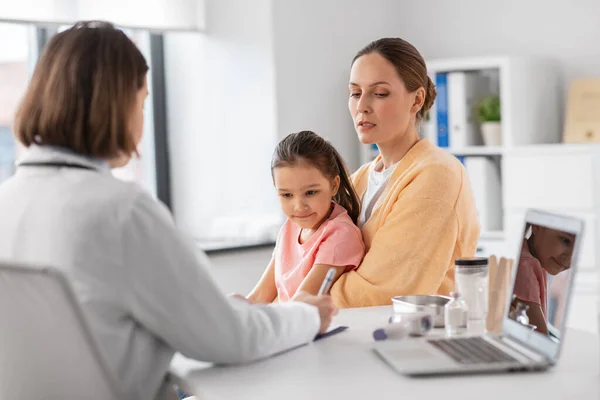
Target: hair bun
430,95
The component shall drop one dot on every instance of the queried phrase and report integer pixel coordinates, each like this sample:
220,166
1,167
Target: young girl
321,207
544,252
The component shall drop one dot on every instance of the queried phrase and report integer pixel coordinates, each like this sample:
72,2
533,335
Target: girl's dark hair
309,147
409,65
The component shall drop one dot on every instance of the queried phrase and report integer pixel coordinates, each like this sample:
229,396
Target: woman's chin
366,138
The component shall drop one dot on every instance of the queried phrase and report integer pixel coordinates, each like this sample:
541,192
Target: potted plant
488,111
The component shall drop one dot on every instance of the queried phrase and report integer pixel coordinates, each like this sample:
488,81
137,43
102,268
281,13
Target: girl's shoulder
339,222
528,264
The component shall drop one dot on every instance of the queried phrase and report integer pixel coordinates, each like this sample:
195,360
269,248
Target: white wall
159,14
271,67
14,42
155,14
221,116
263,69
567,32
38,10
239,271
315,42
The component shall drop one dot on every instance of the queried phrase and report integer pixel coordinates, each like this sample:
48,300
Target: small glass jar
455,315
519,314
471,277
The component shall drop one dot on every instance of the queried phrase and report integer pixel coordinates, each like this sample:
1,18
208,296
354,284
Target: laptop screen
542,280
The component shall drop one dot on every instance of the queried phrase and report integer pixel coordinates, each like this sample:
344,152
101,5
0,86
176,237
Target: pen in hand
326,285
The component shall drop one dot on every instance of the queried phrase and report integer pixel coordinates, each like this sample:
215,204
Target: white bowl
431,304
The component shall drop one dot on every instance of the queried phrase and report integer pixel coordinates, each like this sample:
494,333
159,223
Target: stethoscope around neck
55,164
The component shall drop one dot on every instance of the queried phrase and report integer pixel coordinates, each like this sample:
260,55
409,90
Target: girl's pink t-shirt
338,242
532,280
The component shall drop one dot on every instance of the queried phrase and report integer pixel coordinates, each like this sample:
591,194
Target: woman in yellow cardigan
418,213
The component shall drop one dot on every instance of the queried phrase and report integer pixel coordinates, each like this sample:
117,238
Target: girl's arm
312,283
265,290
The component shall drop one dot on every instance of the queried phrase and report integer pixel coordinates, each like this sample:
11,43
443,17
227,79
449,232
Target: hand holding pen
323,303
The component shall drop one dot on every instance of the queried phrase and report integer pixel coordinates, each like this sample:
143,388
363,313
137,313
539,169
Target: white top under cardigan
376,183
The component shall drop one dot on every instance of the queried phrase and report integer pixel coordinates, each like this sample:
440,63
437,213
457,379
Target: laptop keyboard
472,350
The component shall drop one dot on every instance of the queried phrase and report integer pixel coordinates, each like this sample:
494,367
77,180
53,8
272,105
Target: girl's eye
286,195
355,94
381,94
311,192
565,241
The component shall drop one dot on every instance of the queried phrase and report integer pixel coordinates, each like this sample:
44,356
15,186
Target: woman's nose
363,105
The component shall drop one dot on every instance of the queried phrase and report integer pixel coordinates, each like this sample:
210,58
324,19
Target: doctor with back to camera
144,290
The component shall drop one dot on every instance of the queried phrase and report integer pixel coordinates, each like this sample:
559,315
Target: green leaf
488,109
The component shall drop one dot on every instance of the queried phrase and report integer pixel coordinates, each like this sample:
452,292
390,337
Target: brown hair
409,65
309,147
82,91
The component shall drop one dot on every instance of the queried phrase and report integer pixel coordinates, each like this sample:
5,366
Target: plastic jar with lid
471,281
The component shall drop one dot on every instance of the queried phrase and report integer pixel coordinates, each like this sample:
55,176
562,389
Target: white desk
343,367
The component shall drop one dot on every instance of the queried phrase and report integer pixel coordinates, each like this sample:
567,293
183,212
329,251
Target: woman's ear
335,185
419,100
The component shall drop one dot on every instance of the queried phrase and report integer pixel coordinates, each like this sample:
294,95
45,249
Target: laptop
549,247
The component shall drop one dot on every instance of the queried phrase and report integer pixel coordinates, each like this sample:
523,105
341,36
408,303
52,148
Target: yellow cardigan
424,220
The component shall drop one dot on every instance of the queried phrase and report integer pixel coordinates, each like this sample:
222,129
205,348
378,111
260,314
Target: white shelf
492,235
538,149
553,148
477,151
530,106
468,64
